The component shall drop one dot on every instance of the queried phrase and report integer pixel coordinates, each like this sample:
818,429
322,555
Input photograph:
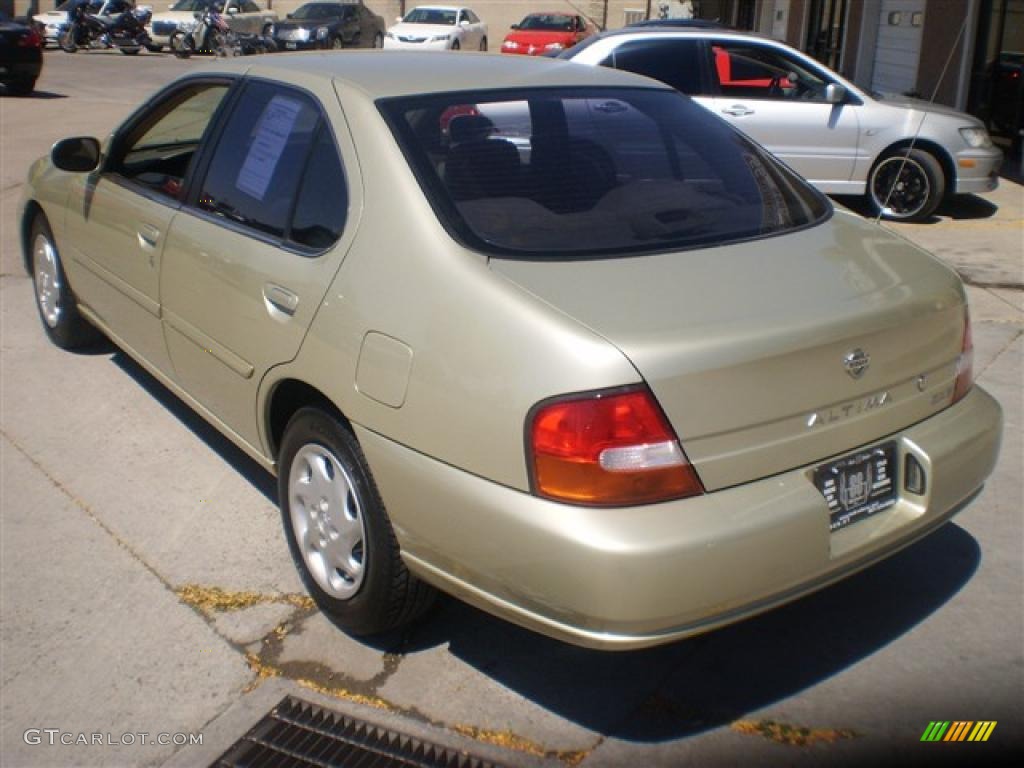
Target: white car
904,155
438,28
243,16
50,24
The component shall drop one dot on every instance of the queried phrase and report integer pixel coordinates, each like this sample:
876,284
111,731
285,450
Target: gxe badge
856,362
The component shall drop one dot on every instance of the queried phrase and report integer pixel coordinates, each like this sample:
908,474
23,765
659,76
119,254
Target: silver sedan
904,154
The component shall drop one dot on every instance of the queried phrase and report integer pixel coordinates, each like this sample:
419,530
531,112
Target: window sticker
272,131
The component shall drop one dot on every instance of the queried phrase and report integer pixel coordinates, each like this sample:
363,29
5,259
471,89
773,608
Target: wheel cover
909,185
47,277
327,521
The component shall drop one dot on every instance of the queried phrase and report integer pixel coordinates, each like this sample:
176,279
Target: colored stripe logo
958,730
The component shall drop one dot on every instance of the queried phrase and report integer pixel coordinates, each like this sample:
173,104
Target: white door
779,101
898,47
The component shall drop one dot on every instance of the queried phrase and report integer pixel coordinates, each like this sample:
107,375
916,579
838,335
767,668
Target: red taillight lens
30,40
965,363
608,448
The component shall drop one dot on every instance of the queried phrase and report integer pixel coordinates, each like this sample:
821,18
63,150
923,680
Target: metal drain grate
298,734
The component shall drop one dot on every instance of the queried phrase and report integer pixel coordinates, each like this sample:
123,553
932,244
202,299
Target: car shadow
711,680
957,208
258,477
46,95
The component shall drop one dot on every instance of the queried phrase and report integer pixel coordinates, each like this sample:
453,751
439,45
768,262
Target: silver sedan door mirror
835,93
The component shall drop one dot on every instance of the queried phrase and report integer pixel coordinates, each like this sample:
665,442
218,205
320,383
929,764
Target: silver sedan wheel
900,187
47,275
327,520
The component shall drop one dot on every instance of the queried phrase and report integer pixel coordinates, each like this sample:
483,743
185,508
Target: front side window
550,173
248,6
158,150
745,70
674,62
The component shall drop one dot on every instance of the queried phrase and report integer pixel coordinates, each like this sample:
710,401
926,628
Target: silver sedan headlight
976,137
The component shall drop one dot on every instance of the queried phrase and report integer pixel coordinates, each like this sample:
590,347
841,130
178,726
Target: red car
541,33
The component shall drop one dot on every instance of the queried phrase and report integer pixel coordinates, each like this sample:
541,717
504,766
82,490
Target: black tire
54,299
180,45
906,185
343,545
130,51
154,48
483,44
23,87
455,45
66,41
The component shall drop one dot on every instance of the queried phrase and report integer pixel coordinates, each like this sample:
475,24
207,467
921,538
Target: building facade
973,59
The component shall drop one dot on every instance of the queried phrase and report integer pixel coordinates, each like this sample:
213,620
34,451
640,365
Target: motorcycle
212,34
125,31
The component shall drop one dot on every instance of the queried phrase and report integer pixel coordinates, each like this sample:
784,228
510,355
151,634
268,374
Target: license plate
858,486
290,46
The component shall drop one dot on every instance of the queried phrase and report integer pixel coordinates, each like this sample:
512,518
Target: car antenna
920,125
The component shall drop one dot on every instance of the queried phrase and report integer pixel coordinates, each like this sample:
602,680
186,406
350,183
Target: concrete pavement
145,586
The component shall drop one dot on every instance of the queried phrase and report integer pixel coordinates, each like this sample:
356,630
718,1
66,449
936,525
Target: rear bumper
21,71
636,577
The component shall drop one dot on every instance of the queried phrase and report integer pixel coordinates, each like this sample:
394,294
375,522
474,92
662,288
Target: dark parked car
21,57
330,25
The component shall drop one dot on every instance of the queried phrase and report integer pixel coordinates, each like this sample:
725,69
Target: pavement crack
792,735
1000,353
211,600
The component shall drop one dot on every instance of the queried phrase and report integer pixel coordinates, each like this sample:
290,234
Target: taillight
30,40
965,363
610,448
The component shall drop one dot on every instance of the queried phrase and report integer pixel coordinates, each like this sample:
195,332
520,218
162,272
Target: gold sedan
548,337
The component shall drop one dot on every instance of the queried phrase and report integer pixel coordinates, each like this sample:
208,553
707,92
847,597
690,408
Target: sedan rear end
802,406
21,57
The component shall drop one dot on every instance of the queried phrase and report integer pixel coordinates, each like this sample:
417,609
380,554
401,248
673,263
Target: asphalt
145,586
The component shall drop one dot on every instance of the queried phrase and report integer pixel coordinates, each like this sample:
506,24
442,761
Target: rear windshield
548,173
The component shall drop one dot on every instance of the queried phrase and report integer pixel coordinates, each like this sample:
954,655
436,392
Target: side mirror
288,15
514,26
78,155
398,19
464,23
835,93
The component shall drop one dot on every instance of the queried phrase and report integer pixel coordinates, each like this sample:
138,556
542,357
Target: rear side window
549,173
276,169
675,62
322,206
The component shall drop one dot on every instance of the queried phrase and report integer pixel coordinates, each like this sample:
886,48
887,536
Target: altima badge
856,362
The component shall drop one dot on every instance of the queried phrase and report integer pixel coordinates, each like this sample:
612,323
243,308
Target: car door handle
280,298
738,110
148,236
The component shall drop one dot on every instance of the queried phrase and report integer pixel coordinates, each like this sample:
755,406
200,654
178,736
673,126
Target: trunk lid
744,345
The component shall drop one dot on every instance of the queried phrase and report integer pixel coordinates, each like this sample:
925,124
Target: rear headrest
469,128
